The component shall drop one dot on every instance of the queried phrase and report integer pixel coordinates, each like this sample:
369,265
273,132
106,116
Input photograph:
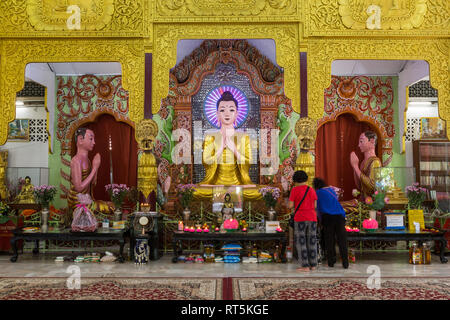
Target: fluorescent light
19,104
427,103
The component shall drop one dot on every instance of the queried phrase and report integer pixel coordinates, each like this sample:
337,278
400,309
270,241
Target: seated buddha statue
26,194
227,154
227,208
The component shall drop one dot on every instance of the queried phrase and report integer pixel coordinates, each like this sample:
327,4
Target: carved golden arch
15,55
186,90
323,52
286,38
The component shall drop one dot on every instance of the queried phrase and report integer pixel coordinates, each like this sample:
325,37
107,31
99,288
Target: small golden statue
396,195
306,130
146,133
26,194
227,208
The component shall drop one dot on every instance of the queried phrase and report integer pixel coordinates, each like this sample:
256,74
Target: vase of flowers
270,196
375,203
43,195
185,195
117,193
416,196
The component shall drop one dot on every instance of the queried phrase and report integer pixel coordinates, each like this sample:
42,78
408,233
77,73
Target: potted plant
185,195
374,203
43,195
117,193
270,196
416,196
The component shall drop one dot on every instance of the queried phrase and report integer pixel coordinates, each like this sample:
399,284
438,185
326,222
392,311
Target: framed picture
433,128
19,130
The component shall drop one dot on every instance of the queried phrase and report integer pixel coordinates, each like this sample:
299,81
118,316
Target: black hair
319,183
371,135
227,195
227,96
300,176
80,132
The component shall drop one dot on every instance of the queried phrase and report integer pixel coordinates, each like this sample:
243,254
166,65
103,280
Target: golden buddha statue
26,194
227,208
227,154
306,130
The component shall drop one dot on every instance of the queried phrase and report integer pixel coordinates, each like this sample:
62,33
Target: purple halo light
210,105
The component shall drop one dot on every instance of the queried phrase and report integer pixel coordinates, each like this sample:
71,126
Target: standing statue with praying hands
364,173
83,173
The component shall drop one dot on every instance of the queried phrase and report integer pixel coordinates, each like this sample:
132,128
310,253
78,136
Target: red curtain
335,141
124,153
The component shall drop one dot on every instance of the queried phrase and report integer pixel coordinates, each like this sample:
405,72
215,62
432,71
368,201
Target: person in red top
305,227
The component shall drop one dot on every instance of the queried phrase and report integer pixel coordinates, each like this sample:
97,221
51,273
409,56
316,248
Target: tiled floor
391,264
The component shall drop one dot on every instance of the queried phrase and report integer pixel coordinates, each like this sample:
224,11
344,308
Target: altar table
230,237
67,235
401,235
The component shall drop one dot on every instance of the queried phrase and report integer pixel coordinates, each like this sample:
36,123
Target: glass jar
276,254
289,254
426,254
415,254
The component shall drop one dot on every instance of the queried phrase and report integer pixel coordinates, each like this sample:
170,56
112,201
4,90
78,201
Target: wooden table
403,235
67,235
180,236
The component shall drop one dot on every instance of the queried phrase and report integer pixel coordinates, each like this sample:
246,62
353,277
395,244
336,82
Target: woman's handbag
291,220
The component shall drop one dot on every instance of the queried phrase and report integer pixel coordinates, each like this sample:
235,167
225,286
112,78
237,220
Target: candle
180,226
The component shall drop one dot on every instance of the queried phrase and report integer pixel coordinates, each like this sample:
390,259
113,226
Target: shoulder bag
291,220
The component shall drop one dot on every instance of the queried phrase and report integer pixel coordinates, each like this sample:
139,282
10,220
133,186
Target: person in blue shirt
332,217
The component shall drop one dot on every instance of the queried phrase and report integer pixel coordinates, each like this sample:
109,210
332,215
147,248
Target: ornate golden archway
15,55
286,41
436,52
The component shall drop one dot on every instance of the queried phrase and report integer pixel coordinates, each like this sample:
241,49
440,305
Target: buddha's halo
210,105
